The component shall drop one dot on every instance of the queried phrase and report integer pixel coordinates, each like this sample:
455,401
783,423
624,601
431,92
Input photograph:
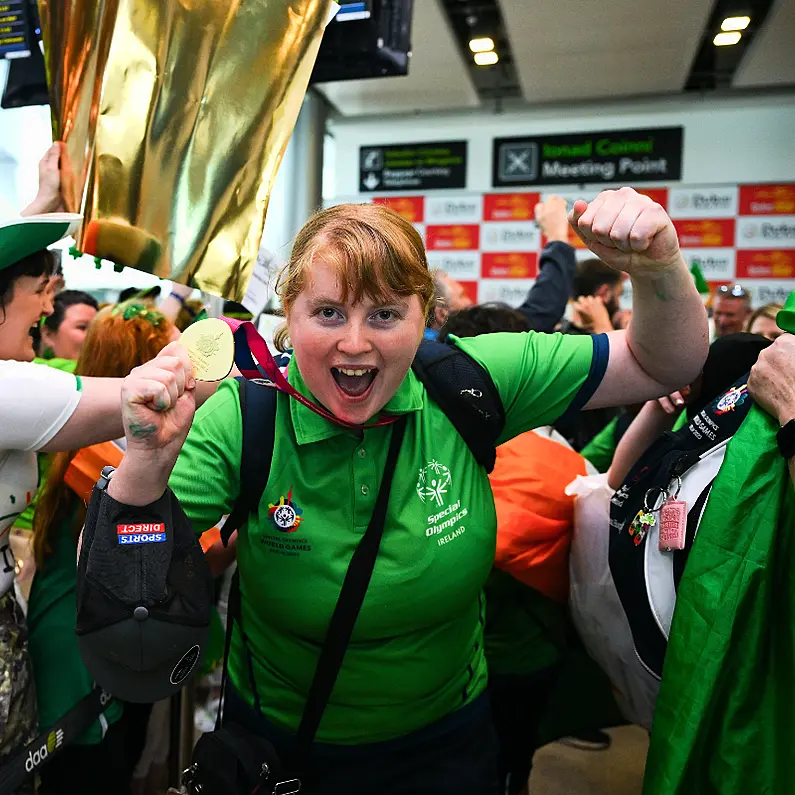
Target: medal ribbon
250,345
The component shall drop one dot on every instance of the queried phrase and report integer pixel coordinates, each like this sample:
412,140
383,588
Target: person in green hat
45,409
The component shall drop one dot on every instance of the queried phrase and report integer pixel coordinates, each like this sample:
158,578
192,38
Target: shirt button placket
365,482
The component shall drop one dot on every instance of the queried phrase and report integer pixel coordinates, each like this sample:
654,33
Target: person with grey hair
448,296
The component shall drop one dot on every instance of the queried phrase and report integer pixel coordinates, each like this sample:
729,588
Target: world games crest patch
732,399
285,514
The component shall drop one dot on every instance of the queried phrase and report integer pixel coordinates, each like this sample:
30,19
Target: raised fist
627,231
551,216
158,403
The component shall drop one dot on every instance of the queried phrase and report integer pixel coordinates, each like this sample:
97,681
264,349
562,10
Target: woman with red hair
120,339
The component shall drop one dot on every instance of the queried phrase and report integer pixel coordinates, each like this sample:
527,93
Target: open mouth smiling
354,382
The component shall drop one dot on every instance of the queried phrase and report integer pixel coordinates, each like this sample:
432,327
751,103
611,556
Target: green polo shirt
417,648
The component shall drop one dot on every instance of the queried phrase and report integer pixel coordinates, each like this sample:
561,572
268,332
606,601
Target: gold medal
211,349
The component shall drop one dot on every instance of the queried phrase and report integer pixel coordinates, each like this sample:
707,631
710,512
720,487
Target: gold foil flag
176,115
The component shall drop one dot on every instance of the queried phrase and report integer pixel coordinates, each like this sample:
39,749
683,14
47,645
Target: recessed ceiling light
484,44
728,38
486,58
735,23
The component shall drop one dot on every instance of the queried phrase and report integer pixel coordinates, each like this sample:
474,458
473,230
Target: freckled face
353,356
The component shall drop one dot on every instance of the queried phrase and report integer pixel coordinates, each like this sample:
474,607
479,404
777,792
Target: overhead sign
625,156
13,26
423,166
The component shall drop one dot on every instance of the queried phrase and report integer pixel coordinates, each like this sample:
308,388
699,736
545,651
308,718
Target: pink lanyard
248,341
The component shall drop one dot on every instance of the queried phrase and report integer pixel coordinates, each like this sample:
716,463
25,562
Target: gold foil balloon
175,115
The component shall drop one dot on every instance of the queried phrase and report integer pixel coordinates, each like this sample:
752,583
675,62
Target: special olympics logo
284,517
434,483
285,514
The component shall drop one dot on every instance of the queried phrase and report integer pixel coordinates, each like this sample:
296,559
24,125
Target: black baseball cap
144,597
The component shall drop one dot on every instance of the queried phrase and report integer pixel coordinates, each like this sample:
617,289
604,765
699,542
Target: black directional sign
424,166
622,156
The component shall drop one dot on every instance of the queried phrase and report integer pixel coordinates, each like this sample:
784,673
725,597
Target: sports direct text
149,533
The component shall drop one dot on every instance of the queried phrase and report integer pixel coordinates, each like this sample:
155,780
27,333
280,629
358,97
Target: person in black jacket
546,302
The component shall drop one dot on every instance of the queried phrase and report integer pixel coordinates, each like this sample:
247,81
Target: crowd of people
465,623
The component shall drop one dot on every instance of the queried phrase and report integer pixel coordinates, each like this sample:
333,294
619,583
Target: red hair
113,347
374,251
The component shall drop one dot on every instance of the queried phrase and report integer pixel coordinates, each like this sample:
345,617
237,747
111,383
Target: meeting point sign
621,156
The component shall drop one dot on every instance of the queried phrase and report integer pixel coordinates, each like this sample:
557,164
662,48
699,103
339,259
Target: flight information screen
14,29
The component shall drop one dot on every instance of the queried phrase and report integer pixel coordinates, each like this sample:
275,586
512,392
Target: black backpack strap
343,619
258,416
463,389
17,768
258,413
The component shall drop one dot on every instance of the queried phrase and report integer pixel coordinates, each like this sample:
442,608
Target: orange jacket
86,467
534,515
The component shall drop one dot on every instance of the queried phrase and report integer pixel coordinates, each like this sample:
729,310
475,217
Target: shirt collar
311,427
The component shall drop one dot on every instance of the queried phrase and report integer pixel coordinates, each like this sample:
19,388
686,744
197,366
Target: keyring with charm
673,519
646,518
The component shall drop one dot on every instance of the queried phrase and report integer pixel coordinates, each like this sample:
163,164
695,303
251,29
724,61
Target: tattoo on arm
140,431
661,295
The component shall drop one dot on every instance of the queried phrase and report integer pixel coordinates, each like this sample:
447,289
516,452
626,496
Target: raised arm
48,199
173,303
667,341
98,415
652,420
546,302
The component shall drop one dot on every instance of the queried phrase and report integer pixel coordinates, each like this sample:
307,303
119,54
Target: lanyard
249,345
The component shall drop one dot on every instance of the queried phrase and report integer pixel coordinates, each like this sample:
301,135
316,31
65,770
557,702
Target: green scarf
725,716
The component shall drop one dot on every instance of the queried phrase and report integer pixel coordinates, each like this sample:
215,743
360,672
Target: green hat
21,237
786,317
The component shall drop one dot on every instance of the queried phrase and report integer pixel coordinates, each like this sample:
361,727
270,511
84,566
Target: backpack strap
258,415
464,390
632,556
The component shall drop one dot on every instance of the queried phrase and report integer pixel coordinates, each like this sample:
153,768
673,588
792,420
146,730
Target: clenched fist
158,403
552,218
627,231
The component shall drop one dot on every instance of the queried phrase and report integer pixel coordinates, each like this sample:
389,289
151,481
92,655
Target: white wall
744,139
25,134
